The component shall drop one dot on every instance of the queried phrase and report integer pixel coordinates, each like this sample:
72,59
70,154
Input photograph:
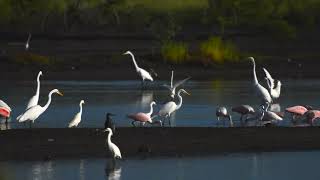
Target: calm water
123,97
253,166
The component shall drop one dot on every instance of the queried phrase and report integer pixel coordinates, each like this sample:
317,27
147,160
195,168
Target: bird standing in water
222,112
109,123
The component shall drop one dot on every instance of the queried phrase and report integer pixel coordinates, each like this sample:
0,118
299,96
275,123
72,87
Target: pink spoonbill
144,117
243,110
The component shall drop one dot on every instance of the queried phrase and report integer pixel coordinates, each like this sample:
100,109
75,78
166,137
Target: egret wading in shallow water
170,107
223,113
172,87
244,110
34,99
114,150
109,122
145,75
28,41
77,118
261,92
144,117
5,111
34,112
274,86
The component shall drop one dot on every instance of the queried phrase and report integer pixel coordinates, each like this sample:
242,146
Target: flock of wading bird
261,117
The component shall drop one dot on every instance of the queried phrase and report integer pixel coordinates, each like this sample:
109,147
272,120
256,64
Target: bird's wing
180,82
169,107
33,101
167,86
75,121
31,114
145,74
29,38
5,105
116,150
269,77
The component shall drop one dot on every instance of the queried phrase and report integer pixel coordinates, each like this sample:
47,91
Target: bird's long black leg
133,123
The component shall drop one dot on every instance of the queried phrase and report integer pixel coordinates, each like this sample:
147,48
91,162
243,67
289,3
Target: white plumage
172,87
77,118
27,43
274,88
34,99
261,92
34,112
115,151
145,75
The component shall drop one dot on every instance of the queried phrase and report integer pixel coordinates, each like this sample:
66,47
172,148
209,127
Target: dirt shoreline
51,143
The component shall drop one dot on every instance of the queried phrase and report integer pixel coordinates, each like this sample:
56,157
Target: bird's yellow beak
60,93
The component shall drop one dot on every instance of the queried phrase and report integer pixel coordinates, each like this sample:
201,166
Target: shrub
175,52
219,51
27,58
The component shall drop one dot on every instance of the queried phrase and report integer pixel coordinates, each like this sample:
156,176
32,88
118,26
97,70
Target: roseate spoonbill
145,75
5,111
27,43
274,86
114,150
244,110
271,117
297,111
34,99
311,116
109,122
34,112
172,87
223,113
77,118
170,107
261,92
144,117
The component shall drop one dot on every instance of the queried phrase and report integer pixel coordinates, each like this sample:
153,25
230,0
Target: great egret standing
115,151
35,111
145,75
261,91
222,112
109,122
27,43
274,86
170,107
144,117
172,87
77,118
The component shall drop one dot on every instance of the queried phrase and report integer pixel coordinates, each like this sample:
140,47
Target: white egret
222,112
170,107
172,87
34,112
261,91
77,118
115,151
274,86
27,43
144,117
145,75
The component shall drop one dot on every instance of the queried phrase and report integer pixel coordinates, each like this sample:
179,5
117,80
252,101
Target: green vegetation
174,52
27,58
219,51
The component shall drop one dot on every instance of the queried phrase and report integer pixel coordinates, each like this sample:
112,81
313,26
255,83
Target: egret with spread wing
172,87
274,86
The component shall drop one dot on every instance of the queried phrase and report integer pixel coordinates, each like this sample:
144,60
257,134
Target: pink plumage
4,112
142,117
299,110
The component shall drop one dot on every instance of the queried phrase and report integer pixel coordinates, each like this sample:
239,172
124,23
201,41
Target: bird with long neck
144,117
145,75
261,92
77,118
34,112
173,87
35,99
114,150
170,107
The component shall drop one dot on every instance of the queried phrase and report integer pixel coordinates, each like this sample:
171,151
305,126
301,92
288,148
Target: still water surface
247,166
123,97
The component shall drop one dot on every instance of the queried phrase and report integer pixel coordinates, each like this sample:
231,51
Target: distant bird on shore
28,41
261,91
5,111
34,99
274,86
172,87
144,117
35,111
77,118
109,122
114,150
145,75
223,113
243,110
170,107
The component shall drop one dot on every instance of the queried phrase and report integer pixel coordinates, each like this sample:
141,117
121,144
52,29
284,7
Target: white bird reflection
43,170
112,171
145,99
